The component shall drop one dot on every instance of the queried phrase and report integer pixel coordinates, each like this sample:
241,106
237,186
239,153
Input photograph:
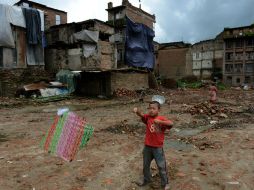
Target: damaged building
100,51
22,43
95,48
238,64
80,46
117,19
207,58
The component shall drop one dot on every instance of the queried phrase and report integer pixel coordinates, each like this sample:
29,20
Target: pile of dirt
201,143
229,124
208,109
169,83
250,109
11,102
123,92
125,128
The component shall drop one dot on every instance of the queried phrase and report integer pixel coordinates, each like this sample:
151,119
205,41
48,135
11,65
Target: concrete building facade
238,65
207,58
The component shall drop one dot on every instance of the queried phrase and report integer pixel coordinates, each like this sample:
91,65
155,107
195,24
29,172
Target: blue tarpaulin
139,51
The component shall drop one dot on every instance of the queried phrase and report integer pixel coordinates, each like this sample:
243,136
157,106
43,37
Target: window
250,42
249,56
229,45
25,5
229,68
239,43
229,56
229,79
120,55
119,15
238,68
249,67
252,56
238,56
238,80
247,80
197,55
58,19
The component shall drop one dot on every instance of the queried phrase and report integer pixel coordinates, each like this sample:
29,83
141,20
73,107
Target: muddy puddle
187,132
178,145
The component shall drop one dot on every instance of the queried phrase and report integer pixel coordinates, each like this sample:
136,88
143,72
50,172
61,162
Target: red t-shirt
154,134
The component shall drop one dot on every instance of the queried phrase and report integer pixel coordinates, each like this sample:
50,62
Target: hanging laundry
33,25
9,15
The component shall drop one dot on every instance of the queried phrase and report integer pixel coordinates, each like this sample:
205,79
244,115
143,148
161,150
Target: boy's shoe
167,187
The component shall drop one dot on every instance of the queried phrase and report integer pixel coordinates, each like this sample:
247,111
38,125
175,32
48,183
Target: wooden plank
21,47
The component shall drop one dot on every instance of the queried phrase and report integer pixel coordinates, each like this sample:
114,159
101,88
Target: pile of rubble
250,109
227,124
125,128
123,92
10,102
207,109
201,143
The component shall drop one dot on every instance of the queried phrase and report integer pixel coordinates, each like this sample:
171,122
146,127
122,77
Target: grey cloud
195,20
188,20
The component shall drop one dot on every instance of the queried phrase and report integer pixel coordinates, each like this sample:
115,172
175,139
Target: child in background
213,93
154,139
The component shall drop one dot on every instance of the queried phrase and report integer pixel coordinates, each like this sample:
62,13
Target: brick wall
103,28
12,79
172,63
56,59
50,16
129,80
139,17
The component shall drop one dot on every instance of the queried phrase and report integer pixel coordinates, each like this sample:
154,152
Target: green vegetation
184,84
221,86
249,34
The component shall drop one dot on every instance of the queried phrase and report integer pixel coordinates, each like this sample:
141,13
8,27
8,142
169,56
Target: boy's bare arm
138,112
167,123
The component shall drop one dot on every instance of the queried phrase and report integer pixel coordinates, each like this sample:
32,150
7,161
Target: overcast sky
177,20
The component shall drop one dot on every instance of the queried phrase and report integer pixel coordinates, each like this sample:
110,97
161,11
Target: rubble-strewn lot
210,147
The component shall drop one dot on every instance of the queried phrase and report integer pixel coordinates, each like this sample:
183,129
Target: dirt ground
211,147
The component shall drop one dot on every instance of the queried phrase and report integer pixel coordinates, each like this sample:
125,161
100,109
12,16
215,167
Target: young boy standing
154,139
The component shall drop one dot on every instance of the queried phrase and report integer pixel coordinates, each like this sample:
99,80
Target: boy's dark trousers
150,153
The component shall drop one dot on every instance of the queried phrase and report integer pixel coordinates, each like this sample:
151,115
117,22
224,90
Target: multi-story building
172,60
207,58
52,16
238,65
116,18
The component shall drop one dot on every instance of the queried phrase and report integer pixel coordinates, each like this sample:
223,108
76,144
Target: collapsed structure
22,42
36,42
90,48
104,52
